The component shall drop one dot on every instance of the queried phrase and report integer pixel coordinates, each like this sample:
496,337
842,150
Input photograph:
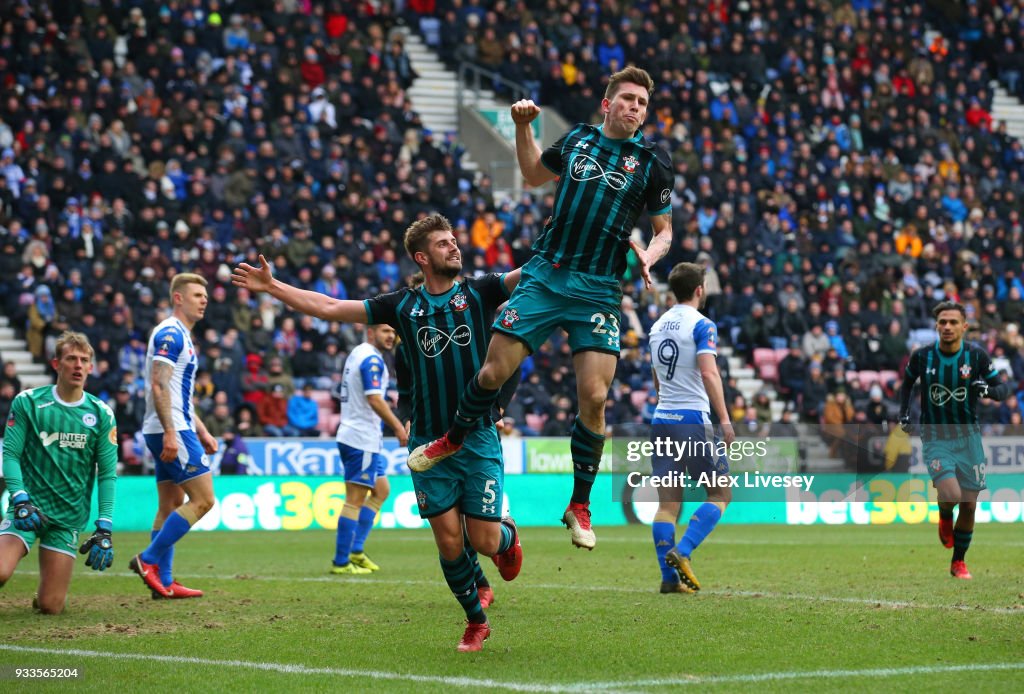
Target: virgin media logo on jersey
940,395
585,168
434,341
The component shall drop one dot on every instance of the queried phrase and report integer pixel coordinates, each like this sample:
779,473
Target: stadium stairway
817,458
15,349
434,92
1009,109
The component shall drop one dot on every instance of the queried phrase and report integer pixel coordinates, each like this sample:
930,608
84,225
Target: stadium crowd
837,170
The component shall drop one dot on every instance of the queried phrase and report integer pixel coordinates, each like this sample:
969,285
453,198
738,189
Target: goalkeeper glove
980,387
905,422
100,547
27,517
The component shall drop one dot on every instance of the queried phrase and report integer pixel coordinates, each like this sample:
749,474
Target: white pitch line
726,593
292,669
812,674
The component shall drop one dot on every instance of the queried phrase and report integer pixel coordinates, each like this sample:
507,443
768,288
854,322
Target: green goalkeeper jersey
54,450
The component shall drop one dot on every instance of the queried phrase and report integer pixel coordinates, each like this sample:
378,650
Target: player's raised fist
524,111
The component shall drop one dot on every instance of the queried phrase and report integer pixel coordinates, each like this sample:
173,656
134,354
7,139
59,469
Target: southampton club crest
629,164
421,499
459,302
510,317
965,371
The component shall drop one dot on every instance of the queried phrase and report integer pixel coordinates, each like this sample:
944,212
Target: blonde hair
72,340
183,279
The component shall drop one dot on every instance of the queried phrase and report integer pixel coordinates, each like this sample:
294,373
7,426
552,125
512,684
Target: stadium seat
780,354
867,378
323,399
768,371
886,377
763,355
333,421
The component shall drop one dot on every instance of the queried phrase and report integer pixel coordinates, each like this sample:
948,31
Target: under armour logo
930,372
586,168
581,145
434,341
488,509
416,312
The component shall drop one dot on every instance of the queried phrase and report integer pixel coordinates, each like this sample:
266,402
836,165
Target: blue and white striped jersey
365,374
676,339
171,343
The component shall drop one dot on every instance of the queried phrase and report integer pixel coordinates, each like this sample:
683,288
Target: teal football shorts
548,297
471,480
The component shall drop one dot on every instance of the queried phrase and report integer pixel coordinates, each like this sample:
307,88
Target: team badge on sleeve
10,420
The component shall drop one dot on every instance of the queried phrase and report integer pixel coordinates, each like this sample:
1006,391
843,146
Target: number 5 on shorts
489,497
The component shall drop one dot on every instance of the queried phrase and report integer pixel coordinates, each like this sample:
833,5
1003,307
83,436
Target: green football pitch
783,608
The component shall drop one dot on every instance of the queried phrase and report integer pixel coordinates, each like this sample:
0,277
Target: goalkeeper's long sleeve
106,470
14,446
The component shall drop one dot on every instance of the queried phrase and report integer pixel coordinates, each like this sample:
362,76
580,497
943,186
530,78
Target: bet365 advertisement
301,503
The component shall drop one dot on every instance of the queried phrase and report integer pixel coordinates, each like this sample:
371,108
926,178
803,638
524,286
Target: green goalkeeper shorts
471,480
548,297
52,538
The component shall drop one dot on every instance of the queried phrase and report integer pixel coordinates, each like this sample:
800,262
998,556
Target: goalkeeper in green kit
58,440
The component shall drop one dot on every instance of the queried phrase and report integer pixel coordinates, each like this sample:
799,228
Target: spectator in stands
129,407
277,376
303,414
837,415
220,420
41,315
273,412
7,393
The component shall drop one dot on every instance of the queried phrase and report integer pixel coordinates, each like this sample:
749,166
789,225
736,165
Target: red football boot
486,596
577,519
430,454
946,532
474,636
150,574
510,561
176,591
958,569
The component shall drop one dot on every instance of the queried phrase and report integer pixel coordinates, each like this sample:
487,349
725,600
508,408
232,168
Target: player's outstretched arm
261,279
528,153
